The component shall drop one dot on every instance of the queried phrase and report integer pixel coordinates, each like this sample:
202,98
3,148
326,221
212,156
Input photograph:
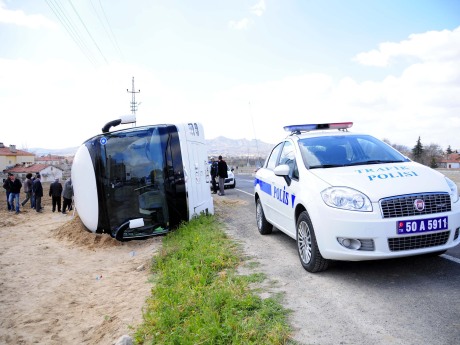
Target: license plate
421,225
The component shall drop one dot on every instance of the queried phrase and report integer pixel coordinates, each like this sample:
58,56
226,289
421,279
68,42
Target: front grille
403,206
397,244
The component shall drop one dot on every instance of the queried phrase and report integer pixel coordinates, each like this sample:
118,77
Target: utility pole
133,99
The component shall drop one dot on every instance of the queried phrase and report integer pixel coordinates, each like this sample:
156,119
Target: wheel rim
259,215
304,242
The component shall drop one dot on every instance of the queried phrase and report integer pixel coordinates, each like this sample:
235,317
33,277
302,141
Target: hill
218,146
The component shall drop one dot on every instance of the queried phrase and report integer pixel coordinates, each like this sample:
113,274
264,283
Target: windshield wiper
327,166
376,161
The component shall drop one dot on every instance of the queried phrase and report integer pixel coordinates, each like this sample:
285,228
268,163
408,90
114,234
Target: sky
243,68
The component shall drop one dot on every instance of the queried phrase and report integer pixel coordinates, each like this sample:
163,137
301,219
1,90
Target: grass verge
198,298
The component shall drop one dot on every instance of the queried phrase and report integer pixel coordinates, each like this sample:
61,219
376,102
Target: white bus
142,181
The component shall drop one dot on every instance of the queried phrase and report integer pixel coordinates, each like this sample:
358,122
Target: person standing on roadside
213,175
222,173
37,189
55,193
6,186
15,186
67,195
28,190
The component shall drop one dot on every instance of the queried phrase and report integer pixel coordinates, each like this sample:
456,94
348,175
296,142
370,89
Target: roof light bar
320,126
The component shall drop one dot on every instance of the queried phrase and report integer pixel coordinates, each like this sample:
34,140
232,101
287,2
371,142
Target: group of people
33,190
218,170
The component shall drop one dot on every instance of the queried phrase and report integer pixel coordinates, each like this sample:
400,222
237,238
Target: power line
61,15
111,31
89,34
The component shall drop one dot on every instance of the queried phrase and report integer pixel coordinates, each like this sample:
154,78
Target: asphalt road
413,300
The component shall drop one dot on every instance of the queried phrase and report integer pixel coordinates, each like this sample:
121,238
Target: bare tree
401,148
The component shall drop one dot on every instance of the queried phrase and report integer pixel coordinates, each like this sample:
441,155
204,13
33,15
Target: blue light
320,126
295,128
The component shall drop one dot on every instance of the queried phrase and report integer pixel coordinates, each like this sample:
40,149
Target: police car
347,196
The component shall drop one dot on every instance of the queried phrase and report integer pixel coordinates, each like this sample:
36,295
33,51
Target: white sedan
346,196
230,181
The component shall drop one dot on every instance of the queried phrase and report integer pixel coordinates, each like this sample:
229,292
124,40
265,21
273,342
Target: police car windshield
346,150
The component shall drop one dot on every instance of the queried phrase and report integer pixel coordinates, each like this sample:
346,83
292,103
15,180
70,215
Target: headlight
453,189
346,199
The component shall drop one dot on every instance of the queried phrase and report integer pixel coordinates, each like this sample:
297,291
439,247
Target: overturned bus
142,181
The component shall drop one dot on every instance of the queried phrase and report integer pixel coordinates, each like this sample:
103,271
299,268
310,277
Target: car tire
307,247
233,185
263,225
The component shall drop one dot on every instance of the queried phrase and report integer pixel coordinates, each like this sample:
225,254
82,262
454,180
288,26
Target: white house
451,161
48,172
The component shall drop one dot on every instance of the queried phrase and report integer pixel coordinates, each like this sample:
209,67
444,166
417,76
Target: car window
287,157
271,163
330,151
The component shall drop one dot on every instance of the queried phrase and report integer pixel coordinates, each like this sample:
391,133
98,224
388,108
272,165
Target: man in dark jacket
37,189
55,194
222,173
15,186
6,186
213,175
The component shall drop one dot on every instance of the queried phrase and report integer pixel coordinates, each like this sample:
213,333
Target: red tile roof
34,168
6,151
451,158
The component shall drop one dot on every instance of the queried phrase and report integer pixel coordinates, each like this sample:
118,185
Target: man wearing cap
15,186
55,194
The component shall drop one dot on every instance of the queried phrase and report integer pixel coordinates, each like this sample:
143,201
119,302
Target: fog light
350,243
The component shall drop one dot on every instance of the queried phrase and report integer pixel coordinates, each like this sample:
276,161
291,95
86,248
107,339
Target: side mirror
282,170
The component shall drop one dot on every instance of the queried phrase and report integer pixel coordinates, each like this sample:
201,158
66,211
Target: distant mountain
69,151
238,147
218,146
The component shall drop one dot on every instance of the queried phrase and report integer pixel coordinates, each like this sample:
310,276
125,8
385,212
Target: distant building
11,156
51,160
450,161
48,173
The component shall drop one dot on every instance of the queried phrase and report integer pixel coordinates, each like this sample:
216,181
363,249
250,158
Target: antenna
258,164
133,99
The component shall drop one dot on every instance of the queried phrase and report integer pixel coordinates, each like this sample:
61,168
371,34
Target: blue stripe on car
264,186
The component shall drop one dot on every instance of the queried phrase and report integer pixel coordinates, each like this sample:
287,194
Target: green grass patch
198,298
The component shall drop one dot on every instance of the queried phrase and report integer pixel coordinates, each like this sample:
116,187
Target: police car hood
383,180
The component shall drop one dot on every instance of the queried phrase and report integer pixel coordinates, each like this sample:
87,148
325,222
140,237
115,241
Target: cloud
19,18
421,101
429,46
259,8
242,24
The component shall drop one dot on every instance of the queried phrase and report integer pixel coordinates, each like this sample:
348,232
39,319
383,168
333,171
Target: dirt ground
61,284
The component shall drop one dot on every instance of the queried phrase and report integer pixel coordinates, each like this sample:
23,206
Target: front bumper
377,238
